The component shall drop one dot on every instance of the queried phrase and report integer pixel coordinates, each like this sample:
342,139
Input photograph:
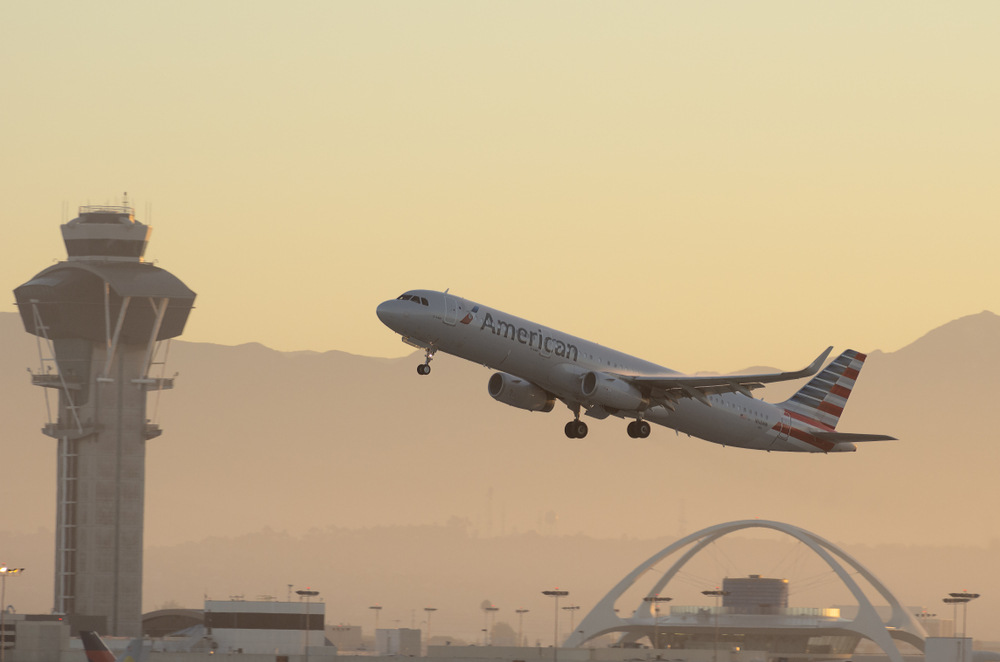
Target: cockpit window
414,298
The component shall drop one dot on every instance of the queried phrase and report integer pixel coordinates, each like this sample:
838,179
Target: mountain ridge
255,437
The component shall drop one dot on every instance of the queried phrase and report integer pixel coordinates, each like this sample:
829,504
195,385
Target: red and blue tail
97,650
822,400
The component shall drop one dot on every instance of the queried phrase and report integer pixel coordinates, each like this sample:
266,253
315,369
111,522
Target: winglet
818,363
808,371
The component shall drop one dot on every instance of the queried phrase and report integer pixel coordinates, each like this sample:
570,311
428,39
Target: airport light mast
4,572
555,637
520,626
718,594
429,610
654,601
572,609
491,611
963,598
307,594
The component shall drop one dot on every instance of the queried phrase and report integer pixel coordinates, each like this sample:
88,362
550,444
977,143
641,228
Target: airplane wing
671,387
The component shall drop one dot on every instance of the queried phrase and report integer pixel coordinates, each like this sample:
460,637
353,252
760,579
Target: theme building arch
901,625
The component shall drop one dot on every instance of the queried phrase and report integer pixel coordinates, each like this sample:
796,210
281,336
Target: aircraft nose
385,312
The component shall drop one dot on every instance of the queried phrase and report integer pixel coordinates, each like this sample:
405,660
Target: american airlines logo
538,341
470,316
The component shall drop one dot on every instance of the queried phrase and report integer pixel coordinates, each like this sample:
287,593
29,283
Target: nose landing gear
425,367
638,429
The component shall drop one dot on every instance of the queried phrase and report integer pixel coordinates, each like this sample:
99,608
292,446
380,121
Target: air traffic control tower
100,318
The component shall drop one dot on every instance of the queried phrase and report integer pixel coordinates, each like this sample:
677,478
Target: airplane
97,650
539,365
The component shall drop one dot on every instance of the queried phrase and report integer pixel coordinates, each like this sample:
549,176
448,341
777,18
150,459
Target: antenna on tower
125,199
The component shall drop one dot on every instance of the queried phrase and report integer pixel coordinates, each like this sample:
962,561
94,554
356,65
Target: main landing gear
576,429
638,429
425,367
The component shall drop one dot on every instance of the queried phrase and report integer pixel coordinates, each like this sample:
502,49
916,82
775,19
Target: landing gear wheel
571,429
425,369
580,429
638,429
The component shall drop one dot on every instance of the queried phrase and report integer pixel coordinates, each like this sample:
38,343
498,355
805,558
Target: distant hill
295,441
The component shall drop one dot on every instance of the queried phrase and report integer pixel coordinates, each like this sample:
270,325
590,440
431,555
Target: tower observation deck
103,319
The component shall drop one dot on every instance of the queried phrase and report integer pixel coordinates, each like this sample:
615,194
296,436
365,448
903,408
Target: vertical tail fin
823,399
134,652
97,651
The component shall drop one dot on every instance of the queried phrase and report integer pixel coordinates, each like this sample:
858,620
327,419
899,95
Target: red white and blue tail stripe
822,400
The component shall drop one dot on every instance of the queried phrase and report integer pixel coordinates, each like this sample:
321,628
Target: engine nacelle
610,392
520,393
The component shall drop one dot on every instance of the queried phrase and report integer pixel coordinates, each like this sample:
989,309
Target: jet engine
611,392
519,393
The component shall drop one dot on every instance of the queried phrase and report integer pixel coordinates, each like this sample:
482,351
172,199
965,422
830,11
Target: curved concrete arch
602,619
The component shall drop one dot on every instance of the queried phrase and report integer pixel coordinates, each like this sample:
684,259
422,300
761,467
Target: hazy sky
708,185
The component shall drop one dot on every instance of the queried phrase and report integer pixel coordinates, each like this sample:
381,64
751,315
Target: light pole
572,615
307,593
520,626
4,571
492,612
954,614
653,600
963,598
555,637
378,609
924,614
429,610
718,596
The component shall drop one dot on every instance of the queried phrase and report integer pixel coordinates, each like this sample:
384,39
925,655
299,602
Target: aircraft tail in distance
97,650
823,399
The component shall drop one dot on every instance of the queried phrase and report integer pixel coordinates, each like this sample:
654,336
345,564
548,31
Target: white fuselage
556,361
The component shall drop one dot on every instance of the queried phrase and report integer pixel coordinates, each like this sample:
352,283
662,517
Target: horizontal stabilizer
851,436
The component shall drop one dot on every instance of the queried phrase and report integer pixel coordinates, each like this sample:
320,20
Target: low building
282,628
164,622
403,641
35,637
345,637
